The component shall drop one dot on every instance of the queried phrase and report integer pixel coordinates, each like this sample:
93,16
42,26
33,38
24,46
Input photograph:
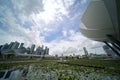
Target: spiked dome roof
100,19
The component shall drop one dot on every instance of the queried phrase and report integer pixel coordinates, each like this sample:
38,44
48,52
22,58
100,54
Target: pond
55,71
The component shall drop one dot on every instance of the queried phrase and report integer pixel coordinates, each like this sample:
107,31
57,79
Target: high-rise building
15,45
21,45
37,52
42,47
32,49
6,46
47,51
86,52
10,45
28,50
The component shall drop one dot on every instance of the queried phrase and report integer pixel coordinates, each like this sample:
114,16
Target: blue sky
54,23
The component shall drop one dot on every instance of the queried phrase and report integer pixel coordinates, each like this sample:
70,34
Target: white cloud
68,3
73,44
17,32
83,1
24,8
71,32
40,10
64,33
45,17
7,38
39,13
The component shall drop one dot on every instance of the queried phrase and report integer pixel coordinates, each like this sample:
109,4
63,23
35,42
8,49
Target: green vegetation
17,59
96,62
110,66
82,69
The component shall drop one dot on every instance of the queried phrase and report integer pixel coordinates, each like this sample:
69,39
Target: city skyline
55,24
18,49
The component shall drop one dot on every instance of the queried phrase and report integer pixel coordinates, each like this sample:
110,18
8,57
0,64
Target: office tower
28,50
40,51
6,46
47,51
42,47
15,45
86,52
10,45
32,49
37,51
21,45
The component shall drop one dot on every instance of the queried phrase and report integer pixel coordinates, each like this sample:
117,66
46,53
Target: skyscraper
10,45
32,49
21,45
86,52
37,52
15,45
6,46
47,51
28,50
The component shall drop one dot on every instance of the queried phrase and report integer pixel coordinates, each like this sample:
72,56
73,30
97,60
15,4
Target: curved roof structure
101,19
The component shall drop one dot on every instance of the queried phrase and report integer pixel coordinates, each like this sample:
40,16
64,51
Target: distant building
17,48
15,45
10,45
6,46
21,45
86,52
32,49
37,52
28,50
46,51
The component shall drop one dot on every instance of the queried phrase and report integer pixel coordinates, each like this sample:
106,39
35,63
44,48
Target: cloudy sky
53,23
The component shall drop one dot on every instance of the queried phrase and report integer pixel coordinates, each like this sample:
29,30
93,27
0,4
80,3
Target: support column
112,49
116,46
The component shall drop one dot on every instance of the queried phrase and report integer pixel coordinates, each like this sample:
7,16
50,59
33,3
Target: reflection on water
14,74
55,72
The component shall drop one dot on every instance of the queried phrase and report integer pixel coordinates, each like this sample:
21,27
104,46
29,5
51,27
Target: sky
53,23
